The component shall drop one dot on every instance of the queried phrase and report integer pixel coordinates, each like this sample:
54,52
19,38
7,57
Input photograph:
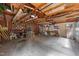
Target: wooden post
36,28
9,22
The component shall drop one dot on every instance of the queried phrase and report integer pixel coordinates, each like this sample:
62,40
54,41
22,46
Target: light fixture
34,16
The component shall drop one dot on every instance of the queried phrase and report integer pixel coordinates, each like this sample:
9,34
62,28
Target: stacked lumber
4,34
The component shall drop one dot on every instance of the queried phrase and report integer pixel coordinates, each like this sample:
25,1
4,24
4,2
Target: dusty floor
43,46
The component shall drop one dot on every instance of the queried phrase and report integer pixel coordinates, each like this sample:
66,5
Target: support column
36,28
9,22
2,20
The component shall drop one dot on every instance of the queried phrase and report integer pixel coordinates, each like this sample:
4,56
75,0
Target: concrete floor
40,46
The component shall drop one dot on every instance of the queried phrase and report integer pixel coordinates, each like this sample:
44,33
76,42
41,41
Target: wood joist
36,10
72,8
42,14
66,8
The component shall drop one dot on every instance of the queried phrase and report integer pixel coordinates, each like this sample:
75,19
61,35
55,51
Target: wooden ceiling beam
72,8
51,7
55,11
8,12
38,5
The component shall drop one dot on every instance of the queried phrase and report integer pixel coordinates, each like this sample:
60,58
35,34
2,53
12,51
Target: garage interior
39,29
